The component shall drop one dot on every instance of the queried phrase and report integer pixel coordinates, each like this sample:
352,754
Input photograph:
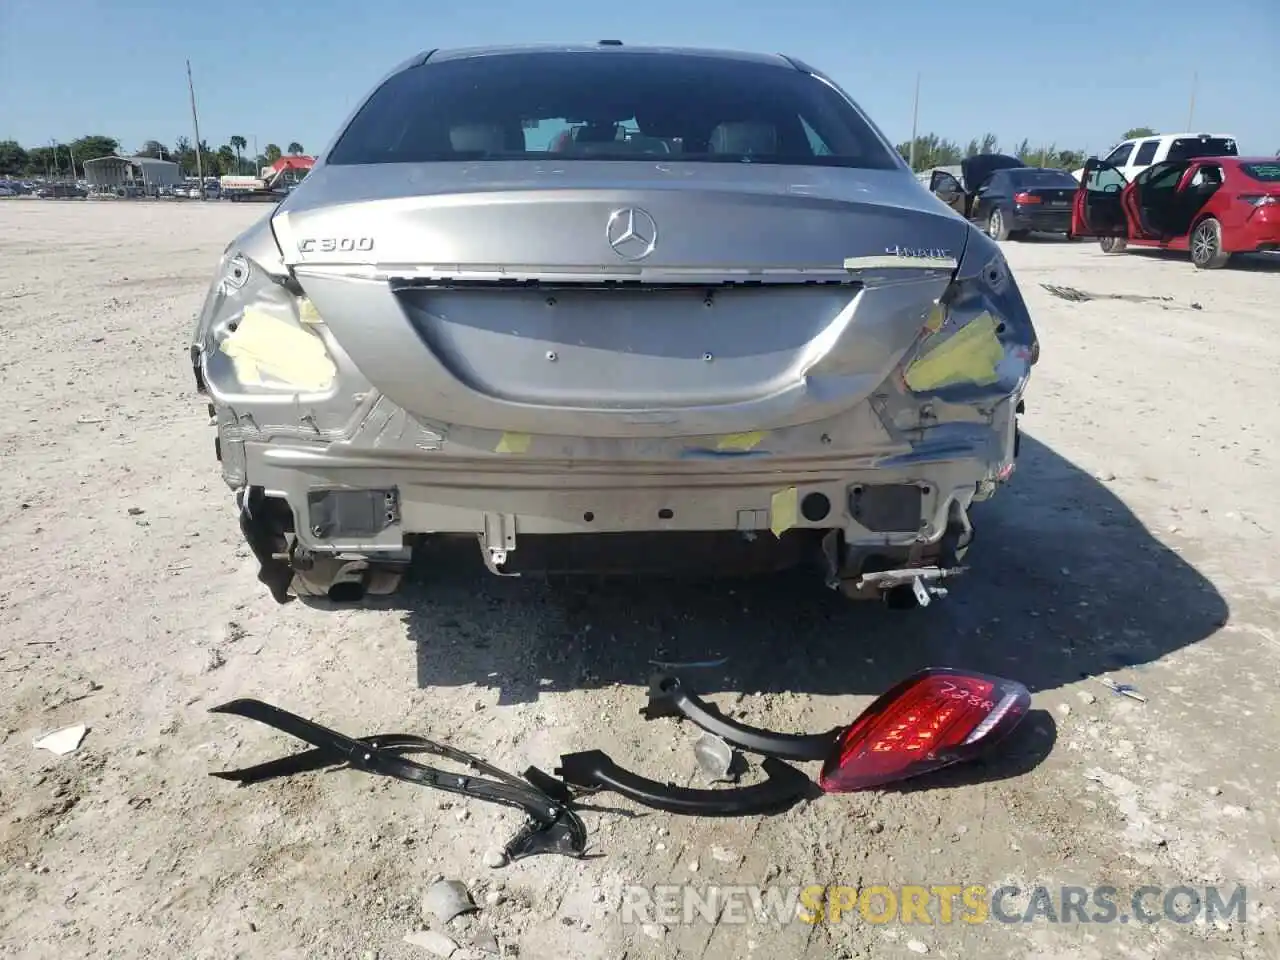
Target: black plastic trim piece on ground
668,697
552,827
595,770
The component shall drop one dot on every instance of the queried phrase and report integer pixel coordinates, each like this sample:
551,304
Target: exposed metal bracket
498,540
928,576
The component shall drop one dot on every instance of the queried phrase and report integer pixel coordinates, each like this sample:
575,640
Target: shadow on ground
1036,237
1251,262
1022,751
1065,582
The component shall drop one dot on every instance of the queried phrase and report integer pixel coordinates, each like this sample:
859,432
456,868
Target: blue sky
1078,73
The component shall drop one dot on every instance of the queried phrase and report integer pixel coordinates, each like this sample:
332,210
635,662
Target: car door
947,188
1153,204
988,195
1097,210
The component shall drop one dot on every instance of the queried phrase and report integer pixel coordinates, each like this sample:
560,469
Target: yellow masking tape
782,511
970,356
937,316
264,349
513,443
307,311
741,441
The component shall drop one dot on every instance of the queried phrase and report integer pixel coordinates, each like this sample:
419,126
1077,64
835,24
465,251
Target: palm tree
295,148
238,143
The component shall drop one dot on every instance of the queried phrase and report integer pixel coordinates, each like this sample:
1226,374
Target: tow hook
908,587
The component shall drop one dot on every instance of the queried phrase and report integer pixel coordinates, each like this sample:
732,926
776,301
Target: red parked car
1210,206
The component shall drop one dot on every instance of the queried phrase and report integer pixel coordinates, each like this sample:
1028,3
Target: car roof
1234,160
1198,134
604,48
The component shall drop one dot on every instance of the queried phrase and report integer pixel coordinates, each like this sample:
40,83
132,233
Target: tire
997,229
1113,244
1206,245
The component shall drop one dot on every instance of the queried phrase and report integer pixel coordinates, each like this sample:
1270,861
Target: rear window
1188,148
1265,172
1042,178
609,105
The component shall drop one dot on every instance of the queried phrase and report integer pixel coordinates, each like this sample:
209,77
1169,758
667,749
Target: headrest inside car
746,137
484,137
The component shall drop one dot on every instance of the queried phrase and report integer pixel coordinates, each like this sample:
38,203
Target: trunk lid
617,299
550,215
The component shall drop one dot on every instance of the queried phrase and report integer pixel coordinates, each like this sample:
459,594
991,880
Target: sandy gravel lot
1137,541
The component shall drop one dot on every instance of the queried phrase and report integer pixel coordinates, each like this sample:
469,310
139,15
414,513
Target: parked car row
1198,195
1006,197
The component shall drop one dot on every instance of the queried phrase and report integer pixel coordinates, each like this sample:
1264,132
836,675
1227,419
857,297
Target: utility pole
915,116
1191,109
195,122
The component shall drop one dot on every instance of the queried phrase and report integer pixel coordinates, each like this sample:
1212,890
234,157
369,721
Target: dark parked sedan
62,191
1009,200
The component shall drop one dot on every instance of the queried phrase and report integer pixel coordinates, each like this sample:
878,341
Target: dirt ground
1136,541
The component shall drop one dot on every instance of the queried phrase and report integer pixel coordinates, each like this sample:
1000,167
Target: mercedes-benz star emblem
632,233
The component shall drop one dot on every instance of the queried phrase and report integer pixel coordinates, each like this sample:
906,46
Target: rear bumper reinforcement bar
595,770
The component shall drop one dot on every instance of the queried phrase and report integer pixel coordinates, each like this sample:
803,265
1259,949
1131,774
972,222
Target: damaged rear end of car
657,322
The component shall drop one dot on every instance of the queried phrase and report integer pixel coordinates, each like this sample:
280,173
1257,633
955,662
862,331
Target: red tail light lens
938,717
1025,198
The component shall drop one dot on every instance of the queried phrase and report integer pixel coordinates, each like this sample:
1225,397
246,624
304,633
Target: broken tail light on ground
928,721
933,719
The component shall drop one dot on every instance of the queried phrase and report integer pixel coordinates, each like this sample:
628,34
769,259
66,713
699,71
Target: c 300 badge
335,245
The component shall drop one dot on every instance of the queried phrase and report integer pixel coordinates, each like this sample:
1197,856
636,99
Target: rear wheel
1206,245
997,229
1113,244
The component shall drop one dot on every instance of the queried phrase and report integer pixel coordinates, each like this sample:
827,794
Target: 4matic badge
919,253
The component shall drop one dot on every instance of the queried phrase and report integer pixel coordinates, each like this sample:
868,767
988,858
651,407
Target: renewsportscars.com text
919,904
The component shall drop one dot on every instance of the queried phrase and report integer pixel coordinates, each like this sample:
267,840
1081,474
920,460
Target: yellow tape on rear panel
783,507
969,356
514,443
741,441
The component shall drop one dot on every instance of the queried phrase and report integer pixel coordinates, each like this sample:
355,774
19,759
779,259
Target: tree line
61,159
935,151
67,159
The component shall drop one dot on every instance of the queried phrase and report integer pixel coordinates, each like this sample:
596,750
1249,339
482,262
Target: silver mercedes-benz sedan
595,304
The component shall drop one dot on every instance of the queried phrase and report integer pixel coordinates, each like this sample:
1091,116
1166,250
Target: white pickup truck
1133,156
